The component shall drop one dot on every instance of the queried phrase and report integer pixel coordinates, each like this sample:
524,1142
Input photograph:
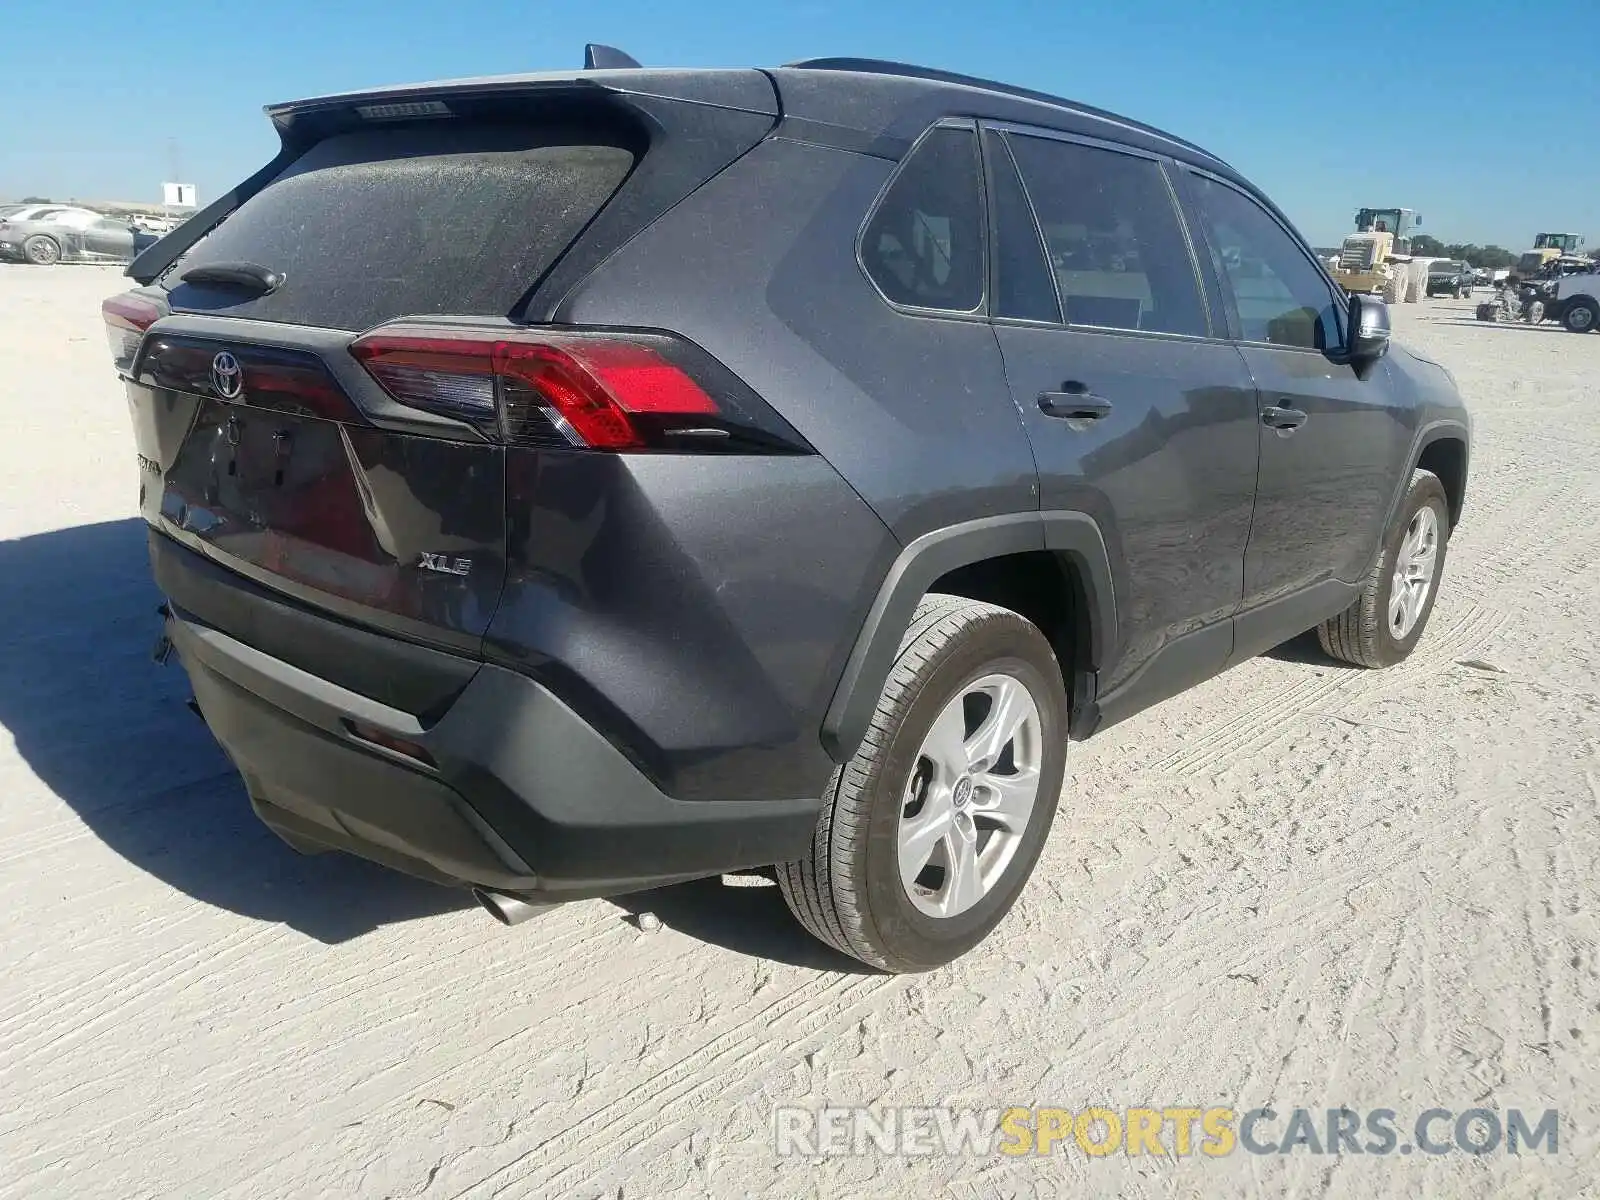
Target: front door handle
1079,404
1280,417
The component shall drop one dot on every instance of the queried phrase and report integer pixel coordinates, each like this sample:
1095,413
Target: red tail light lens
127,316
617,390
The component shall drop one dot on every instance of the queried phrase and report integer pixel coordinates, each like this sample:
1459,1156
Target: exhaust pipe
506,908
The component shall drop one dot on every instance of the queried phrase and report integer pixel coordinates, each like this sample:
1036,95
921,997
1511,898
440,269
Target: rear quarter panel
773,566
759,267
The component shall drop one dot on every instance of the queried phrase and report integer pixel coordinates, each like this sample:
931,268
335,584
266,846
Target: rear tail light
617,390
127,317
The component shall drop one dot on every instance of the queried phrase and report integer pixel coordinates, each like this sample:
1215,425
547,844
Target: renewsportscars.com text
1175,1131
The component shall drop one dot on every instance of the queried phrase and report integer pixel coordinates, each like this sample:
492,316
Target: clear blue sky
1328,106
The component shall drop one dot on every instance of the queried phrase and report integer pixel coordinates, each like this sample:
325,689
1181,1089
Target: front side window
1280,297
1116,247
923,245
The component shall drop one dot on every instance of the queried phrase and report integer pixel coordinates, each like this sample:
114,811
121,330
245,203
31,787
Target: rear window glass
380,223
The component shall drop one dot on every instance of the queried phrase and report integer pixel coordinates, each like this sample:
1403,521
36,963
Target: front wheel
1533,312
929,832
1385,623
1581,316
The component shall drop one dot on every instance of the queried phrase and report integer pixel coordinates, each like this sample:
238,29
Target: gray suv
570,483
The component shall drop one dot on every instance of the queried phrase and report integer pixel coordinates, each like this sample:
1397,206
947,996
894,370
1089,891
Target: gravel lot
1299,885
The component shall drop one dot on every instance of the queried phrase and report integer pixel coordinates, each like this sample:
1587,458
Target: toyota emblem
227,376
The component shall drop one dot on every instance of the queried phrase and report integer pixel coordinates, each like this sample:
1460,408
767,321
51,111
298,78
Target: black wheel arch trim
1073,535
1445,429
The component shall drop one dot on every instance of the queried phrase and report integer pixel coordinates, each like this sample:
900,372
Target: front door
1330,442
107,238
1137,415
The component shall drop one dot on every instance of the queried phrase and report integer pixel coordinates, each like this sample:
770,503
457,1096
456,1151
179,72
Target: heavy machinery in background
1549,248
1377,258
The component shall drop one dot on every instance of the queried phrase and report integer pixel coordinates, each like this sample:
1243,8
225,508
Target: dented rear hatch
268,446
264,444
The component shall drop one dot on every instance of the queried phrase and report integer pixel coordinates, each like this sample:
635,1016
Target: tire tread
1355,636
821,889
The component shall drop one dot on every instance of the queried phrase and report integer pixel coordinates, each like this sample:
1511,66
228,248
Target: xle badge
444,564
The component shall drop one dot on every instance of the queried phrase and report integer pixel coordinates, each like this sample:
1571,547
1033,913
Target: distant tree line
1491,258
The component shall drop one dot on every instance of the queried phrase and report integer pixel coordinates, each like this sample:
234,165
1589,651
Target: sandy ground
1299,885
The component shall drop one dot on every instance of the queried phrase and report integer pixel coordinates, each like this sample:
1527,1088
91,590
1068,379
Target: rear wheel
928,834
42,250
1581,316
1533,312
1385,623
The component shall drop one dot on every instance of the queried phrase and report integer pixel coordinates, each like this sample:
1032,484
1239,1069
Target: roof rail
877,66
606,58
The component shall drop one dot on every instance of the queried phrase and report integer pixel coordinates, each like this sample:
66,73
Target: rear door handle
1073,404
1280,417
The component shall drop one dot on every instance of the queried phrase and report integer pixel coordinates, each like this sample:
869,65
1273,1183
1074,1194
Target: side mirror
1369,332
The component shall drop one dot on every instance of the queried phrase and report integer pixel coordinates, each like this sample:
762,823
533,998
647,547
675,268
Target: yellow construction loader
1377,258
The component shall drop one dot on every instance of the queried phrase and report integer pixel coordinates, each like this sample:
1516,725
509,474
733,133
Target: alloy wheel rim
1414,570
1582,317
972,792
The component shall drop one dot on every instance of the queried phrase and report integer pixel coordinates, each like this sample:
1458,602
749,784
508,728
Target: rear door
265,444
1138,415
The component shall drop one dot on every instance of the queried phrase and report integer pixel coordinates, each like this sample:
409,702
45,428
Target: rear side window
1116,247
386,222
1023,284
923,245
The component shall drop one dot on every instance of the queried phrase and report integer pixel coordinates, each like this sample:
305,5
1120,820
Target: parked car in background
1573,300
24,212
1448,278
47,234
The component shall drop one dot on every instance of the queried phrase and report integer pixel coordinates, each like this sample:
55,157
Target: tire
1581,316
849,892
1363,634
42,250
1533,312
